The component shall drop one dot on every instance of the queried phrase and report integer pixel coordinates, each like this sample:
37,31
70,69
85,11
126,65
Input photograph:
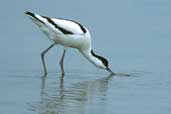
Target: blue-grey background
133,34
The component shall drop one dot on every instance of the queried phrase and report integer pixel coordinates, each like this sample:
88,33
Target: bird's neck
88,54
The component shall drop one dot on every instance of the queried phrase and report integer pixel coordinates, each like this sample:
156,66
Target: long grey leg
42,57
62,62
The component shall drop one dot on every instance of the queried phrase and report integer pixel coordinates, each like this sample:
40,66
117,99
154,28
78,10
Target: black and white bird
68,33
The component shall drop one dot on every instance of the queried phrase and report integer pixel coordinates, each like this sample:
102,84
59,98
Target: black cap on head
104,61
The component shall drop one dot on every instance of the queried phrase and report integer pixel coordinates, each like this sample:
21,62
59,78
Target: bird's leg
43,60
62,62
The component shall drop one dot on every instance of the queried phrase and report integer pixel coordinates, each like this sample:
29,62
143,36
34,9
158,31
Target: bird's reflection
73,99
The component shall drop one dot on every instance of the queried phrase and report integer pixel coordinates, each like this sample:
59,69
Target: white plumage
69,26
68,34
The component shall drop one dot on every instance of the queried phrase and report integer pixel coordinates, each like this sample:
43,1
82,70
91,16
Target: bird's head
102,62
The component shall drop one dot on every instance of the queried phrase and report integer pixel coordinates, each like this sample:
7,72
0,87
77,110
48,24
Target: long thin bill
109,70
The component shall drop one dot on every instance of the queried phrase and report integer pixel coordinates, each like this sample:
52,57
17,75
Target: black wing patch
64,31
81,27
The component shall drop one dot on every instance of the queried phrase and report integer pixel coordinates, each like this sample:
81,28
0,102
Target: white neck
87,54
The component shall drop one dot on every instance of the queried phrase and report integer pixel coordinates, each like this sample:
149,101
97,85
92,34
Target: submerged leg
62,62
42,57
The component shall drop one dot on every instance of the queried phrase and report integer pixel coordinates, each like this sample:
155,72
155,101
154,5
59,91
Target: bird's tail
30,14
35,17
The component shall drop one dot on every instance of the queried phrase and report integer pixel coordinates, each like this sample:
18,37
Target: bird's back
62,31
58,25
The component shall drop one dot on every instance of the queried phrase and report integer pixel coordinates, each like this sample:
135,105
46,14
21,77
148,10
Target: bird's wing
61,26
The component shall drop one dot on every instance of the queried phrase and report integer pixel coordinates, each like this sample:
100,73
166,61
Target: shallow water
141,92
